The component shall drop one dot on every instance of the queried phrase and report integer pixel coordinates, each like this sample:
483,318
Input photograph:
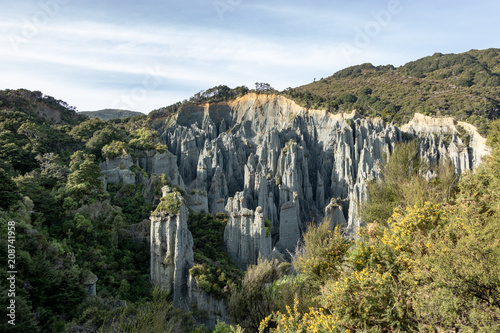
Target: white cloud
198,57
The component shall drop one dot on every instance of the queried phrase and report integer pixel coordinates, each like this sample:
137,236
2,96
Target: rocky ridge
289,160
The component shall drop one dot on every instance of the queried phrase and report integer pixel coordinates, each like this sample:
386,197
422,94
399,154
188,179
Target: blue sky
142,55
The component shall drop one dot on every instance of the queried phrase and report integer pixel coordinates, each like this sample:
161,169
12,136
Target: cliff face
245,235
172,257
288,161
265,153
264,157
441,137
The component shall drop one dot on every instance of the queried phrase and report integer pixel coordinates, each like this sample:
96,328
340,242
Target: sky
145,54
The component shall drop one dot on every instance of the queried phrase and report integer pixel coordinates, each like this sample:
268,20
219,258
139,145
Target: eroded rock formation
172,257
171,248
272,167
245,235
264,157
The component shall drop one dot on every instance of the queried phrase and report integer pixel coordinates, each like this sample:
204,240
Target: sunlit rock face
272,167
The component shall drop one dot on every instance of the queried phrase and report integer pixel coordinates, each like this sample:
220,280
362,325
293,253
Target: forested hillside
68,228
465,86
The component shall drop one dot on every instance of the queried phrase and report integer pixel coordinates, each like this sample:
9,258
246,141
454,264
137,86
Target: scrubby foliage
130,199
255,298
156,316
275,287
214,270
169,204
322,253
218,93
222,327
404,181
114,149
215,94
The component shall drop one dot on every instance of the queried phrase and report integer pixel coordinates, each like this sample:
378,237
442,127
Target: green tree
114,149
86,172
52,169
83,182
86,129
46,203
55,294
9,193
144,139
24,319
102,137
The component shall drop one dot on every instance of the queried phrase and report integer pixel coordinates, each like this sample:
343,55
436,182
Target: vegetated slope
465,86
107,114
68,226
43,107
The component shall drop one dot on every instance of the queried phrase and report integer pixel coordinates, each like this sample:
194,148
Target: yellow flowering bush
315,321
375,295
367,300
459,274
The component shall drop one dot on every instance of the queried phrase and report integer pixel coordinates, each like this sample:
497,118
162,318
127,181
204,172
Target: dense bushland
67,225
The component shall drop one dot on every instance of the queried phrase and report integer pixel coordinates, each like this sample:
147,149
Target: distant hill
107,114
465,86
